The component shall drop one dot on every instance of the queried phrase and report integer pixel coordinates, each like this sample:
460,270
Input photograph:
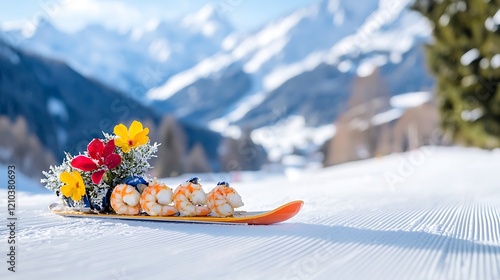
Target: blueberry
71,203
194,180
134,181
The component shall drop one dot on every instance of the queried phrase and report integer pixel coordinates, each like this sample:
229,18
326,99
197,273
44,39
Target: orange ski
280,214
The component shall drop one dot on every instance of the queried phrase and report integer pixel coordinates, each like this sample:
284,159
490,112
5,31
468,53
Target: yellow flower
134,137
73,185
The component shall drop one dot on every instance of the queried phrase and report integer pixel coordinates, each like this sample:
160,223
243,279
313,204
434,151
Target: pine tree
172,150
22,148
241,154
197,161
465,58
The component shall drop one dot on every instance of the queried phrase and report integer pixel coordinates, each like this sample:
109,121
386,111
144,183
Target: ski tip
278,215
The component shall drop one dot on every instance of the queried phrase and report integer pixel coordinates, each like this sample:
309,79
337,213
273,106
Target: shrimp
155,200
223,199
125,200
189,199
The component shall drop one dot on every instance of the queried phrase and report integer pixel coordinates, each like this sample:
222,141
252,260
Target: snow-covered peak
287,39
98,32
138,32
42,27
206,13
390,29
27,29
335,6
305,31
11,25
96,29
208,22
123,59
295,43
275,31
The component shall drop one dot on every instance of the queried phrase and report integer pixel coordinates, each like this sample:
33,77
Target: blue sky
72,15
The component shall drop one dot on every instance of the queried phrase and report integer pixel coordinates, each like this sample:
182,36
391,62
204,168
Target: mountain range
132,61
47,107
302,64
199,69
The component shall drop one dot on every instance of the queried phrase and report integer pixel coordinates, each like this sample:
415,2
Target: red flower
102,158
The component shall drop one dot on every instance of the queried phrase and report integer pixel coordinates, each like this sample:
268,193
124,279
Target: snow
387,116
279,51
123,59
57,108
281,139
283,73
12,25
399,103
428,214
151,25
345,66
365,35
203,15
274,31
254,51
264,55
160,49
367,66
389,28
226,130
230,41
181,80
205,20
242,107
410,99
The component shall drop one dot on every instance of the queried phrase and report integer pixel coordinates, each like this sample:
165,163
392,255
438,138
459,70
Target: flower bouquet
110,177
87,180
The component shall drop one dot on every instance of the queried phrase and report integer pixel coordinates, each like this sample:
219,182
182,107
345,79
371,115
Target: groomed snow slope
430,214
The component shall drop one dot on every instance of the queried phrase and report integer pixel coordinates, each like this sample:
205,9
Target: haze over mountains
199,69
47,108
314,52
127,60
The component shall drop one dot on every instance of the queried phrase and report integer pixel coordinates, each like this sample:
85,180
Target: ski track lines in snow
351,227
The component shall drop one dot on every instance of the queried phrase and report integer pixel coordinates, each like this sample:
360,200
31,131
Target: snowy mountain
133,61
315,52
48,95
299,69
204,73
47,108
283,41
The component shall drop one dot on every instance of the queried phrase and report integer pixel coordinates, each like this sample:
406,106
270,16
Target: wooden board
280,214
